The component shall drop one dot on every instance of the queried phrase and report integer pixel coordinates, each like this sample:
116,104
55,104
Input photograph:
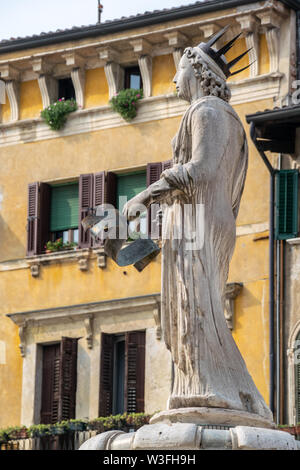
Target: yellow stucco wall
5,111
96,88
264,57
117,149
30,100
163,71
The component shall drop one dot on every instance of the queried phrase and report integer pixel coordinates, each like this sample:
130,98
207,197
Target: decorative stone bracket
231,292
88,323
142,49
249,27
76,63
81,256
270,24
178,41
157,319
22,334
11,77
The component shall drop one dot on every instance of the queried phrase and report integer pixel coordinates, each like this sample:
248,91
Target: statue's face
187,85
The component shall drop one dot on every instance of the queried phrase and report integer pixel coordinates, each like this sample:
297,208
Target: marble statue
210,158
214,403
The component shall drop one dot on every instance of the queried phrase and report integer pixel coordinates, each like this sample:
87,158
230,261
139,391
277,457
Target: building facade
79,336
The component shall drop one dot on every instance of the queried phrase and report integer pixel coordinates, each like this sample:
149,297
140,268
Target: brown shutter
98,197
106,375
85,208
32,219
154,171
153,174
68,379
167,164
134,371
44,220
50,384
111,189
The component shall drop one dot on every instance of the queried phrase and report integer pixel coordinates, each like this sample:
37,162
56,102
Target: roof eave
127,24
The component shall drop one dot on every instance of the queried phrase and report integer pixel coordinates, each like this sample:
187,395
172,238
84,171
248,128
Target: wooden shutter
50,384
98,197
167,164
154,171
68,378
153,174
286,204
111,189
44,220
134,371
85,208
32,219
106,375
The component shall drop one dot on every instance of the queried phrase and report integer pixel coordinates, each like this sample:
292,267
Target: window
57,210
128,186
59,378
286,204
133,78
66,89
122,373
64,208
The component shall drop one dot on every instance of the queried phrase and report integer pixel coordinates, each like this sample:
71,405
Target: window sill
81,256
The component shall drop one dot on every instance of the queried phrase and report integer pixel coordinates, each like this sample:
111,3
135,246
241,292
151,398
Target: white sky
19,18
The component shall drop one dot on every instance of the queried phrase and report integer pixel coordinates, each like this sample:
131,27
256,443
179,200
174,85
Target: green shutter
130,185
286,204
64,207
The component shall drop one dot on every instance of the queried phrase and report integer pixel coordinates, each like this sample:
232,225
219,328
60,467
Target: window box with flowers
125,102
56,114
59,245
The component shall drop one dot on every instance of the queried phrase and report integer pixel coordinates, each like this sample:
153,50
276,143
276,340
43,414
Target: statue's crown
218,56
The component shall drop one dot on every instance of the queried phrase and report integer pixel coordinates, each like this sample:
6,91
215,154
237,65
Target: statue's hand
159,189
137,205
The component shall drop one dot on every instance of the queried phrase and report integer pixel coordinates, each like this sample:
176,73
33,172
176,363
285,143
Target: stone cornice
86,314
149,109
78,312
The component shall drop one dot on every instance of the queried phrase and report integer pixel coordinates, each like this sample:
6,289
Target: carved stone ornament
231,292
88,323
11,77
22,335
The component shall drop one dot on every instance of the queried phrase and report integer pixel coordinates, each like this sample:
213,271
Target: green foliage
13,432
125,102
56,114
59,245
122,422
40,430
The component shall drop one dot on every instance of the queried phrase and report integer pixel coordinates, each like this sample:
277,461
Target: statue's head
203,70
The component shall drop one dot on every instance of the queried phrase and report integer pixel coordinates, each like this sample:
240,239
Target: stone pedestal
198,429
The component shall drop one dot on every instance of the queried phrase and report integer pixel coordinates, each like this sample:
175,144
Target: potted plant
125,102
59,245
40,430
56,114
17,432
